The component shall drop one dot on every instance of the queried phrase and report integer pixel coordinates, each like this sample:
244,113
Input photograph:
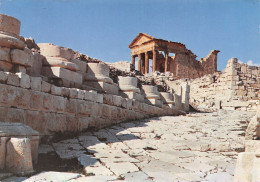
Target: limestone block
127,84
46,87
22,57
73,93
155,102
36,68
100,98
5,54
255,170
51,50
72,123
25,81
35,120
47,102
117,100
3,141
98,72
18,156
103,86
91,96
167,98
15,115
19,68
9,24
10,29
59,72
13,79
252,145
253,129
150,92
81,65
36,100
58,104
36,83
3,77
60,62
71,106
244,167
56,90
81,94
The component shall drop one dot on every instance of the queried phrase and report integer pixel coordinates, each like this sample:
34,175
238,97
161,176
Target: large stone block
36,83
58,104
15,115
21,130
243,171
103,86
22,57
52,50
10,29
13,79
54,72
5,54
25,81
60,62
98,72
35,120
36,100
5,66
3,141
19,156
252,145
9,24
81,65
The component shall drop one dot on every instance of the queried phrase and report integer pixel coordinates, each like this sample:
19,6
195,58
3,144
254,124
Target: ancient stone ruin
182,64
55,100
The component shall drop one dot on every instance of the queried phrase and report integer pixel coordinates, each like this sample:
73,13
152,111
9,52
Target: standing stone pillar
133,60
146,64
166,62
139,62
154,60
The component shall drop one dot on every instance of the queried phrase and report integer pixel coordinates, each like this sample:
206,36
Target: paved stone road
195,147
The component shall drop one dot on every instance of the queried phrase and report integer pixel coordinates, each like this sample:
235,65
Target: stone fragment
18,156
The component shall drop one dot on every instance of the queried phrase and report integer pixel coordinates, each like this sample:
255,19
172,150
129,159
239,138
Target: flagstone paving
195,147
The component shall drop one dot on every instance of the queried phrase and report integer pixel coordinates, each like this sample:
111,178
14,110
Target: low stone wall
233,89
48,108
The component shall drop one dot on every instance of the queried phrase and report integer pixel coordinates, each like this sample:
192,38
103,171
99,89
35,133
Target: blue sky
104,28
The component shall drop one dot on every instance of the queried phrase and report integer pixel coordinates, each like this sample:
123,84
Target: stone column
146,64
139,62
166,61
154,60
133,60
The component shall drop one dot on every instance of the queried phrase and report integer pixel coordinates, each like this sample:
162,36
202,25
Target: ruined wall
186,65
236,88
48,108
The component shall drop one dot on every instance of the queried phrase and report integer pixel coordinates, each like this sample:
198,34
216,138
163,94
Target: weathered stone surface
36,83
22,57
244,166
62,73
53,176
52,50
13,79
5,66
25,81
46,87
18,156
60,62
9,24
3,141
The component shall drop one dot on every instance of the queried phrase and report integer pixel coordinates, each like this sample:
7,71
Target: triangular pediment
140,39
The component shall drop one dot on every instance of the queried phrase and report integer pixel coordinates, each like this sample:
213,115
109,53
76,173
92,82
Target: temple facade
167,56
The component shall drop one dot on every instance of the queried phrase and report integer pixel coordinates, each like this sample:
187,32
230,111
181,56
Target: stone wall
49,109
236,88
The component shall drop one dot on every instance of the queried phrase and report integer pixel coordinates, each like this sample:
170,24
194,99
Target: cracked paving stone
122,167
